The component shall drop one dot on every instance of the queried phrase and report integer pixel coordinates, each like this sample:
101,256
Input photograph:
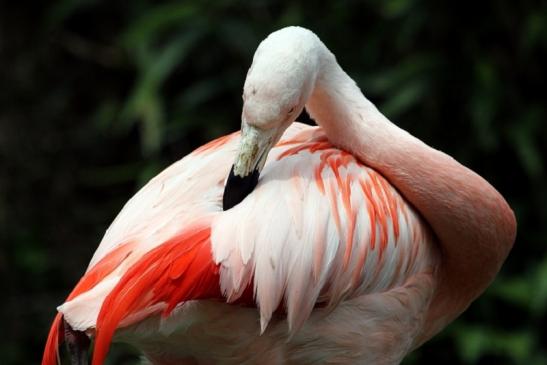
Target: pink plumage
302,260
349,250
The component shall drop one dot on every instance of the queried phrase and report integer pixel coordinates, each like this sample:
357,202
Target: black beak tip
237,188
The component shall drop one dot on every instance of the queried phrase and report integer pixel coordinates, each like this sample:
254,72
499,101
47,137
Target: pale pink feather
319,228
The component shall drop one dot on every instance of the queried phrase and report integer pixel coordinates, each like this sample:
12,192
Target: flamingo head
279,82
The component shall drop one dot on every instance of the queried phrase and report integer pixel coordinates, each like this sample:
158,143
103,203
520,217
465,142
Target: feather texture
320,228
341,267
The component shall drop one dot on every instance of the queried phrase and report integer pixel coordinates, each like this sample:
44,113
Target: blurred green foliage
98,96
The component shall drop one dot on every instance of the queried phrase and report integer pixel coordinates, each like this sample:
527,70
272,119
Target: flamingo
343,243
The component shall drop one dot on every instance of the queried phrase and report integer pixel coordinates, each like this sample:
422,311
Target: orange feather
103,268
176,271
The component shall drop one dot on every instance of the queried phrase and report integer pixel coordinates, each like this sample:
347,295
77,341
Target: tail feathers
178,270
102,269
54,340
77,343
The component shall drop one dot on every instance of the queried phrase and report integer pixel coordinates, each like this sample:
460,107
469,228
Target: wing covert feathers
176,271
320,227
102,269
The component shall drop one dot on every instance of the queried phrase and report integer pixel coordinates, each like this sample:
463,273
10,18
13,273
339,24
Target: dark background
98,96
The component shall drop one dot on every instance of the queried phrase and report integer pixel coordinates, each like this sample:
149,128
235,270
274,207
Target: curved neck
349,119
474,225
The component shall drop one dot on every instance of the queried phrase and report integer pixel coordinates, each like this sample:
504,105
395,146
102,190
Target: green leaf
474,342
157,20
408,95
523,137
145,103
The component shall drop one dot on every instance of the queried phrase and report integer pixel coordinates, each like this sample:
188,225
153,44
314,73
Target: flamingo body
324,261
339,251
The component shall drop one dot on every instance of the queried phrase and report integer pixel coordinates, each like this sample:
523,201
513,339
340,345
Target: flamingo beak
254,147
253,150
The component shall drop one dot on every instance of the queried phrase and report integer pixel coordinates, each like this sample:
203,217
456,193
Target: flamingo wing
319,227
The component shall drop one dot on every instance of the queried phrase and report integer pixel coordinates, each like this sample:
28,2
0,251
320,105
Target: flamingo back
319,229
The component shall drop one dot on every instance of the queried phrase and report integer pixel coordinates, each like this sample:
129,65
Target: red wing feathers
179,270
183,268
176,271
103,268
